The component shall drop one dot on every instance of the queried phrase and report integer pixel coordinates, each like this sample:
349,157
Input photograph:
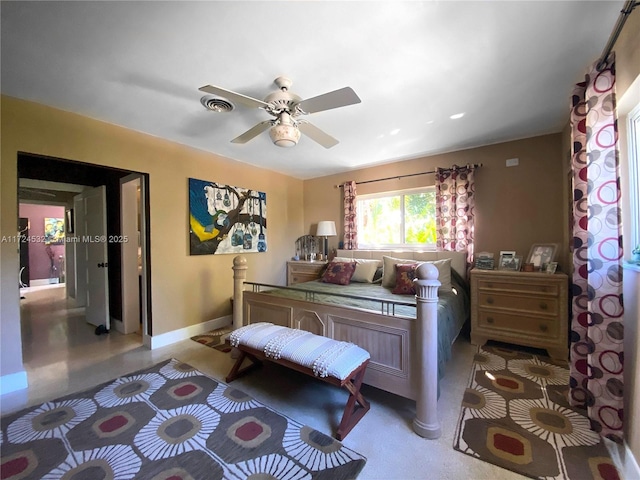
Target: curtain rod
398,177
622,18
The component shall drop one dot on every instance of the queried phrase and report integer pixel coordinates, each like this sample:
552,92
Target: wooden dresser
523,308
299,271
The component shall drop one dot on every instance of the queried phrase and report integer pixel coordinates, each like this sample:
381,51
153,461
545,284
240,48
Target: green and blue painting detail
226,219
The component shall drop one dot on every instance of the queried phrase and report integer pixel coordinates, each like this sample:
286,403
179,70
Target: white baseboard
38,282
13,381
174,336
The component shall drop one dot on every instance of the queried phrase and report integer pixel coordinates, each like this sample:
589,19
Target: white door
131,267
80,261
94,242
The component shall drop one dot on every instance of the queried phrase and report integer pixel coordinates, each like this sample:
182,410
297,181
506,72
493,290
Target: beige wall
515,206
185,290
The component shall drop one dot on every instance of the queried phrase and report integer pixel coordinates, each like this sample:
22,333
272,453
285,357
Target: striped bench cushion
324,356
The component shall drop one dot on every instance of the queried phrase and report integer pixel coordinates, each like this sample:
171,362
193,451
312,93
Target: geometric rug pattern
515,414
166,422
214,339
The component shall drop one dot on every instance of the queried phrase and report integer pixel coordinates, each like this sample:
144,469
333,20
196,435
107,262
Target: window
404,219
634,174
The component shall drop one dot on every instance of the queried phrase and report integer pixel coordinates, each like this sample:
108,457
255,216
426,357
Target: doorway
50,171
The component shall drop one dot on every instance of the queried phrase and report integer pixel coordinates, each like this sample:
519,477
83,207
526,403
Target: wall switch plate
513,162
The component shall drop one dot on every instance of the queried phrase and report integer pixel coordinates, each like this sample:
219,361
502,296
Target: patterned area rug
167,422
515,415
214,339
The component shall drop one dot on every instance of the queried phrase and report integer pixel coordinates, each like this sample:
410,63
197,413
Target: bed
409,337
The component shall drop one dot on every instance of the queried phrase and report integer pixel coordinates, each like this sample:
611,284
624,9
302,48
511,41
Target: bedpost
239,276
426,423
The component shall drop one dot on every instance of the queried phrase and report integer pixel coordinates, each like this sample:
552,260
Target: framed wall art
226,219
53,231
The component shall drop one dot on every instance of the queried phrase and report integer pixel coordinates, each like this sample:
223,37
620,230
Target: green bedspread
453,307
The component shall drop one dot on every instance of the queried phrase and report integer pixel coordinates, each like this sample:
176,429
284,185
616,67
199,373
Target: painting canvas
53,231
226,219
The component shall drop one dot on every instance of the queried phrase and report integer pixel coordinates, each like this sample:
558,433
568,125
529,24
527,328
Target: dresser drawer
552,289
524,308
533,304
541,327
306,268
301,277
301,271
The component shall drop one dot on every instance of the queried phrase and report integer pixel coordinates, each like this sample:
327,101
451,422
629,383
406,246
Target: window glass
634,174
397,219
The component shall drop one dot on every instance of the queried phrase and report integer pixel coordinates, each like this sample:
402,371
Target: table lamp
326,229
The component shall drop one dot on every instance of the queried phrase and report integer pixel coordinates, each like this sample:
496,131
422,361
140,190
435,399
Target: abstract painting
53,231
226,219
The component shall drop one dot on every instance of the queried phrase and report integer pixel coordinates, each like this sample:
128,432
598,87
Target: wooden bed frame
404,358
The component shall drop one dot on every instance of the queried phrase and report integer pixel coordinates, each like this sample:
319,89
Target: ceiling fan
287,108
28,191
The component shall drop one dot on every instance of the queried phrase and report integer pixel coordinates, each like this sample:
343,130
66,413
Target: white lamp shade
326,229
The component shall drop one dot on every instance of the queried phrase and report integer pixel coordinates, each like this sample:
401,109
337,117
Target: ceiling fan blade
317,135
252,132
34,191
338,98
234,97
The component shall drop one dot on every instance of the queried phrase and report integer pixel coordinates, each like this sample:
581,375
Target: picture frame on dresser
542,254
510,262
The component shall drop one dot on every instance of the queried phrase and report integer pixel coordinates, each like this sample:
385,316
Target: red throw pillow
339,273
405,273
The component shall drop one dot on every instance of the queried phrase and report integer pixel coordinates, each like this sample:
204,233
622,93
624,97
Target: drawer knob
489,319
543,328
543,306
490,301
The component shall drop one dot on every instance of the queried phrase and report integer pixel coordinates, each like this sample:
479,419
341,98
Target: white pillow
365,268
444,274
389,271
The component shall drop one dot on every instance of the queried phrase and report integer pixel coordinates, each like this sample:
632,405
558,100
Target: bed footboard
403,350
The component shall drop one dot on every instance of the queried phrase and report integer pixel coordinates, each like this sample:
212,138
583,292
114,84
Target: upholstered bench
335,362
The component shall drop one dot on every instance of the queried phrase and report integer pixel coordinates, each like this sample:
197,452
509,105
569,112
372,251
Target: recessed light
457,116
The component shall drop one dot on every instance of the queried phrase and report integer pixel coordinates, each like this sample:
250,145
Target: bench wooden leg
356,406
236,371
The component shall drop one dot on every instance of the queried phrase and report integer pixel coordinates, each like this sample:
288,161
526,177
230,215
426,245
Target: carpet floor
169,421
515,414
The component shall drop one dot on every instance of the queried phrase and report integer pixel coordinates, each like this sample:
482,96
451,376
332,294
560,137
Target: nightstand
299,271
524,308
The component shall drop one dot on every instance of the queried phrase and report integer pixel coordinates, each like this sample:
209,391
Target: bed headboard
458,259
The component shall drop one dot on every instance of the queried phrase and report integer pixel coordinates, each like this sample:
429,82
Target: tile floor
62,355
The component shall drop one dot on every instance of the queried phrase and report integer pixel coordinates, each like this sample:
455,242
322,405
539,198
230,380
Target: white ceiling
508,65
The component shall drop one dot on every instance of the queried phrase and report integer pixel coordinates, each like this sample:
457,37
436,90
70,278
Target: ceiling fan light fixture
284,135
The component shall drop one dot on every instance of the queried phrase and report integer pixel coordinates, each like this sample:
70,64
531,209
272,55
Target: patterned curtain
455,199
350,218
597,325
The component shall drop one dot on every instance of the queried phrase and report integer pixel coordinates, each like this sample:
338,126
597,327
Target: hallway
62,354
